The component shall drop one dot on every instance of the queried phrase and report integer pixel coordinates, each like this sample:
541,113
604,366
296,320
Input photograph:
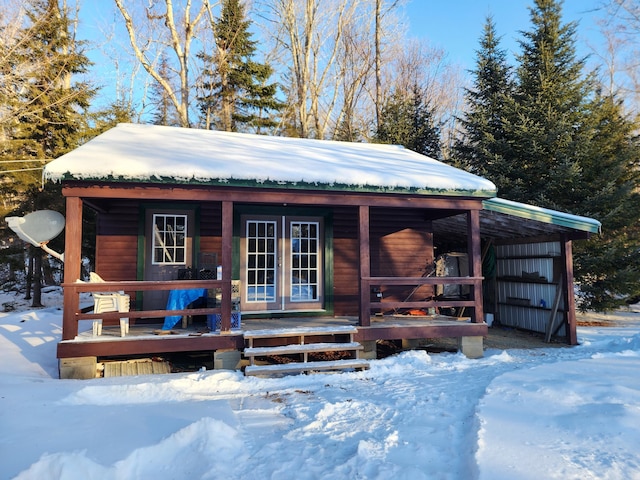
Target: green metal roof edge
540,214
338,187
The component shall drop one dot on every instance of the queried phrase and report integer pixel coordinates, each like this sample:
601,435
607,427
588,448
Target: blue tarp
178,300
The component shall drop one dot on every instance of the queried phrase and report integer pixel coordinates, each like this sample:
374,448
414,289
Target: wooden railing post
567,287
475,262
227,247
72,263
365,267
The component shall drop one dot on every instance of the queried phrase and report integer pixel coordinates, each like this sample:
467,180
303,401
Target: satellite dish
37,228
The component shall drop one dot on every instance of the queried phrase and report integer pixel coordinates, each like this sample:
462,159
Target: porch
147,334
148,339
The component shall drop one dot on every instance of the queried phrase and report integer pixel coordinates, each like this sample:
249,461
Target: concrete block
370,351
410,343
471,347
226,360
80,368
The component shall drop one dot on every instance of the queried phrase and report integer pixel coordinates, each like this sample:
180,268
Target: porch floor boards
143,339
112,332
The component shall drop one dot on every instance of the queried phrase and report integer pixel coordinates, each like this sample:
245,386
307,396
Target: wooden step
300,332
300,367
301,348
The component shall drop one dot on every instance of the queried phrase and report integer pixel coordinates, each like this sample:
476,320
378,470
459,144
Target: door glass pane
303,261
169,242
261,261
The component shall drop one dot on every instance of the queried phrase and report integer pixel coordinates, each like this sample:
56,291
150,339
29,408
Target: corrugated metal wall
526,285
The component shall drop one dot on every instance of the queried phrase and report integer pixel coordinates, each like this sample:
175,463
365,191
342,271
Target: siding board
401,246
117,241
345,261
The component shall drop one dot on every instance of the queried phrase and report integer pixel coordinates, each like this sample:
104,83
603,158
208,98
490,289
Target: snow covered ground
570,413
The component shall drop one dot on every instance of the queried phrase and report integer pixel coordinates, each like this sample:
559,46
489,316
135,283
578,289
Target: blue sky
453,25
456,25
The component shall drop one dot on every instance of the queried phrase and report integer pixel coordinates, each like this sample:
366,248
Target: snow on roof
158,154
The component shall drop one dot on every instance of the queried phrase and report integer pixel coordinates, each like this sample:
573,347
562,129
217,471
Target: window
169,244
304,261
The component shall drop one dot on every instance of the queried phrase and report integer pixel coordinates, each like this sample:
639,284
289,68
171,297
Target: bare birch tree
416,64
168,27
126,84
355,62
621,57
380,14
346,57
366,43
308,36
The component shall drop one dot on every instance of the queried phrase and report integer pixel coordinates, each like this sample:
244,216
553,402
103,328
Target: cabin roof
540,214
504,219
171,155
158,154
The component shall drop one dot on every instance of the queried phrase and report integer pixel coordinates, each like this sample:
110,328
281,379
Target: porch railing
475,300
72,312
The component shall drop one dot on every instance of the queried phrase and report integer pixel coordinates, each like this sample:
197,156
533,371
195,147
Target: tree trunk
180,43
27,295
377,63
37,280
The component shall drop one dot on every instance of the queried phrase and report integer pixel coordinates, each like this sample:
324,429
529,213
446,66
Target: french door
281,266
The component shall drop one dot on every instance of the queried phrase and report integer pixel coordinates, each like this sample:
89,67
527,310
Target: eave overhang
544,215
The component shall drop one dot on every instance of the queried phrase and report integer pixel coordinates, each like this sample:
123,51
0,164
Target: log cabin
243,233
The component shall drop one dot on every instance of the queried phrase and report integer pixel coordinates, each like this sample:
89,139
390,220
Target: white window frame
159,241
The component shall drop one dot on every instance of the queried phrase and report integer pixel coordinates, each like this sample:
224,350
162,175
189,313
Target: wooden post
570,301
72,263
475,262
227,251
365,266
554,311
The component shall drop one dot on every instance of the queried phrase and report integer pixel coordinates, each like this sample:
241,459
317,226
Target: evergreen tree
41,106
483,149
165,111
239,96
345,130
55,118
408,121
571,150
545,127
50,105
118,112
608,265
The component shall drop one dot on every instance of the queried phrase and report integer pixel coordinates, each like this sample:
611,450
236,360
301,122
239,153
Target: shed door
282,263
168,248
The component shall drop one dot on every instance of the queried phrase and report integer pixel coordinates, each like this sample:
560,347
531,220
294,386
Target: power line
21,170
23,161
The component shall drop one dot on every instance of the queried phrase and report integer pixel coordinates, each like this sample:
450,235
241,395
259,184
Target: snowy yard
569,413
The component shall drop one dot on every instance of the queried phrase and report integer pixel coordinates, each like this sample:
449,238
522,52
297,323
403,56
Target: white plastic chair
109,302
